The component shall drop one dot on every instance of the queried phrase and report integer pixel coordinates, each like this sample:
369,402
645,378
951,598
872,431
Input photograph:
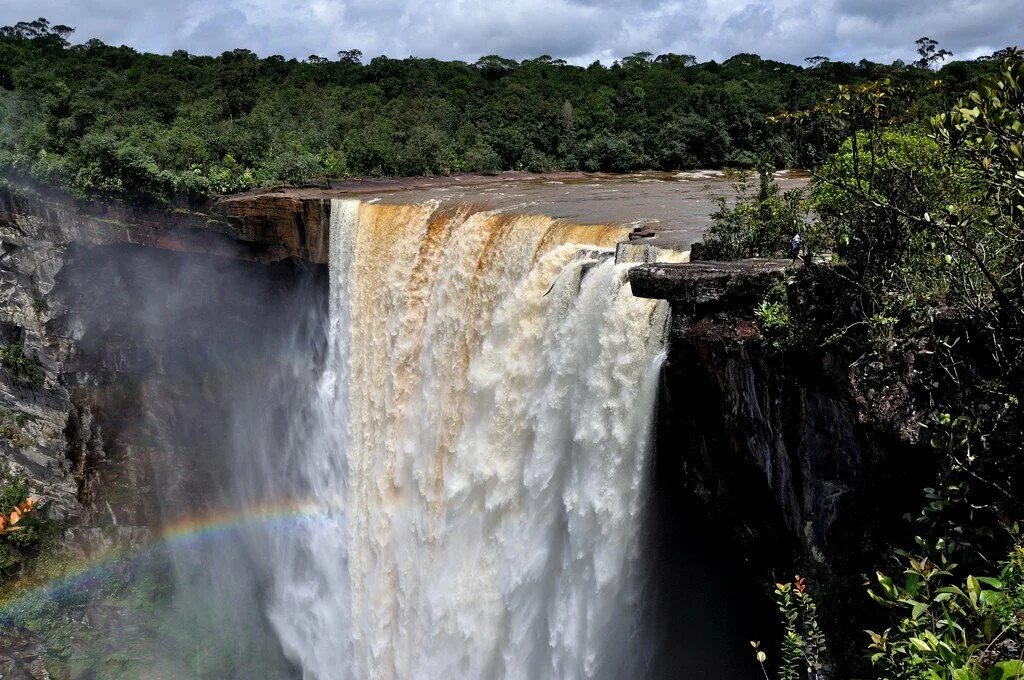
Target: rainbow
94,572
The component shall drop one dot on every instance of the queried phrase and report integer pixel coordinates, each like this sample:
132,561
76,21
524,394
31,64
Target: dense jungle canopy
102,120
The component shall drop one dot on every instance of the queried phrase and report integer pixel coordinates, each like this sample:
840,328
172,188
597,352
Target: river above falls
676,206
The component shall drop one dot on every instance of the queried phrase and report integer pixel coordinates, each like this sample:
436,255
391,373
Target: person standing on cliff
794,247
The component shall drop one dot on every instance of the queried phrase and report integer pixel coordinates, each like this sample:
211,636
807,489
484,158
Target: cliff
74,280
779,447
265,227
776,445
790,461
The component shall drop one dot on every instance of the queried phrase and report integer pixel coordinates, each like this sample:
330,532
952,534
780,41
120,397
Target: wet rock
21,655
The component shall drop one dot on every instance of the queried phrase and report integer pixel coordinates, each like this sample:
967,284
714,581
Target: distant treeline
96,119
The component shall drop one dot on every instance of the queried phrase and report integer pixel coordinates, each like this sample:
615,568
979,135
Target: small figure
794,247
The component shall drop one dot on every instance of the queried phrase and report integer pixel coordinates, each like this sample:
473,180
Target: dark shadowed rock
776,445
702,286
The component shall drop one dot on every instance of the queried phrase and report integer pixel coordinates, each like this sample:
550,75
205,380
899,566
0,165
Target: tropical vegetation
103,120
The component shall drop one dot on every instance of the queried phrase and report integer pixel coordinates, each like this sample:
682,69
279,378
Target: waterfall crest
478,451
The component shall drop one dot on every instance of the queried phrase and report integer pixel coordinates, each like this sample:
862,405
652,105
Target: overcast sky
577,30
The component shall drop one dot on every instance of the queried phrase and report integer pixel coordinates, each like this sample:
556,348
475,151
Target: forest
100,120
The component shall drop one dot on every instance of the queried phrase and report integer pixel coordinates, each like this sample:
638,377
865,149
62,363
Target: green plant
12,425
947,627
25,369
803,650
20,545
1010,609
774,322
757,224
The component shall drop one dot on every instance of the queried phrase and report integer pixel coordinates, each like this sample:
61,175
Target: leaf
762,657
920,644
973,590
919,608
1005,670
886,584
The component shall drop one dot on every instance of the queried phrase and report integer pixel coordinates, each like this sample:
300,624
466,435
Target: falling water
477,453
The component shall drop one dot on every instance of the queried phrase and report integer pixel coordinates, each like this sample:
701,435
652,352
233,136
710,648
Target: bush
802,651
947,628
755,225
615,153
295,167
483,159
1010,609
20,545
26,370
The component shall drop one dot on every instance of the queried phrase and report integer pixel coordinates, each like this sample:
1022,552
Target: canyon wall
77,281
773,455
752,433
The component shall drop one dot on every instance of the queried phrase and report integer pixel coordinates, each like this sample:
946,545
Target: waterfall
477,453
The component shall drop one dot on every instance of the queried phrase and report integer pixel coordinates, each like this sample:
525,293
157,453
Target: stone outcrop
774,444
266,227
21,656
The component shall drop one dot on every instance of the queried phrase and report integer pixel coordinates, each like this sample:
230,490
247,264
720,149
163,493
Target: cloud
578,30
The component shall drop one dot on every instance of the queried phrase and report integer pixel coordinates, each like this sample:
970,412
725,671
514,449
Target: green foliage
11,427
13,359
774,320
18,547
102,120
927,225
1009,609
926,228
758,224
947,628
803,649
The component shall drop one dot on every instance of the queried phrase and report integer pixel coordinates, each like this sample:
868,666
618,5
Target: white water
478,454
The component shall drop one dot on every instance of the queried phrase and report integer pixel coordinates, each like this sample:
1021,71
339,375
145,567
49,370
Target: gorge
378,439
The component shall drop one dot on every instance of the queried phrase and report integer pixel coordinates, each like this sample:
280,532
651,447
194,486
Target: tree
637,60
350,57
929,53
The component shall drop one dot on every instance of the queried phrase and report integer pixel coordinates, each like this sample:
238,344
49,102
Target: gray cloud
578,30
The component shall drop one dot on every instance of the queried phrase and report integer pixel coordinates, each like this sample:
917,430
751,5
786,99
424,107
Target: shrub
20,545
483,159
755,225
11,427
25,369
947,628
617,153
802,651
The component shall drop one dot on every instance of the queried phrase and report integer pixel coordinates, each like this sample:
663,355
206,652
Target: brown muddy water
675,205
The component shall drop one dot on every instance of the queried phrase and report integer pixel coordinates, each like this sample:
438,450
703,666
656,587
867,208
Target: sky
580,31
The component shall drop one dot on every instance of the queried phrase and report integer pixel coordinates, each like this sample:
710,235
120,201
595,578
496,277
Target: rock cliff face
775,447
265,227
81,287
